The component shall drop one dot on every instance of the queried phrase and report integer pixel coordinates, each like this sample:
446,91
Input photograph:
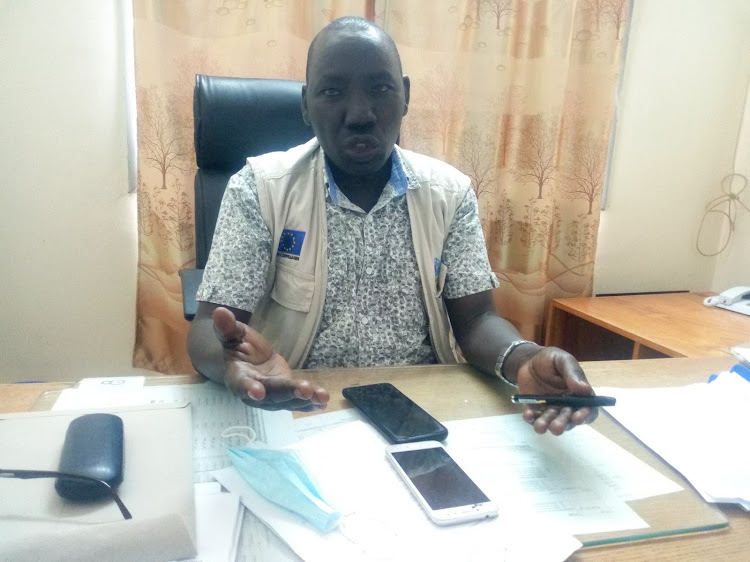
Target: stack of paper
700,429
380,519
544,486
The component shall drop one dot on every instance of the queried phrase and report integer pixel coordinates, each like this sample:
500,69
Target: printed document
700,429
380,519
574,484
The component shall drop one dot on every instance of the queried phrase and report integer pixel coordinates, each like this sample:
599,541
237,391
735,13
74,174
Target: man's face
354,99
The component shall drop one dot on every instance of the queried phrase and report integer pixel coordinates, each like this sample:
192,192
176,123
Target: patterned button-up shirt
373,312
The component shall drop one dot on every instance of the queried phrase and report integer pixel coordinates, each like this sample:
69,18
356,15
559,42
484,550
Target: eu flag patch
290,243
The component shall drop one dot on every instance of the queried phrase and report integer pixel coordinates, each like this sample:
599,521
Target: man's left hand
554,371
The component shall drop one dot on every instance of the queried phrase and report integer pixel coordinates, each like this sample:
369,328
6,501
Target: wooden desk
437,388
643,327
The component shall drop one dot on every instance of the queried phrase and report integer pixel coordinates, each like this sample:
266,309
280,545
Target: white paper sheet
700,429
111,383
218,517
311,425
741,352
577,482
381,520
258,542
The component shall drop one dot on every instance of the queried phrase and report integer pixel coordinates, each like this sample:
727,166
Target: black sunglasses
29,474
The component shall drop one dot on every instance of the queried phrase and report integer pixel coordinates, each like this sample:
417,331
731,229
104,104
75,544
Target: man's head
355,94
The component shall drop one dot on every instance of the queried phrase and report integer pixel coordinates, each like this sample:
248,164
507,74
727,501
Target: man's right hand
259,375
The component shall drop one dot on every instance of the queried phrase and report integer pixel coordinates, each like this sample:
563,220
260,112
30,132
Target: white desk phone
736,299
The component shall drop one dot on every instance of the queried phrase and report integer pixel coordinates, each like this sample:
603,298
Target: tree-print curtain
517,94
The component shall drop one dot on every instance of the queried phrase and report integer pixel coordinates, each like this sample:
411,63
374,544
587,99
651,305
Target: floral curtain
516,94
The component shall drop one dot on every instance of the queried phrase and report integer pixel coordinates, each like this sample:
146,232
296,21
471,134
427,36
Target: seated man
349,251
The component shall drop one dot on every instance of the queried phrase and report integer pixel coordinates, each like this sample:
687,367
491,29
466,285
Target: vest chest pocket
292,288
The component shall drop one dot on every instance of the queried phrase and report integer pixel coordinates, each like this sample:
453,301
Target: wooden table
643,326
456,392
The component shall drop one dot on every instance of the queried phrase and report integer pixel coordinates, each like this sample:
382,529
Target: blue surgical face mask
280,476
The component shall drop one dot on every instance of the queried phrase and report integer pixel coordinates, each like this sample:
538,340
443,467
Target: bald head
351,26
355,97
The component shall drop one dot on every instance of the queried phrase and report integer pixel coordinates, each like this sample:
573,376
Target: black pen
571,400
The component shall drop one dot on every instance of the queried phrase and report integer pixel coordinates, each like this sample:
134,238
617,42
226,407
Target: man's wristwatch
499,366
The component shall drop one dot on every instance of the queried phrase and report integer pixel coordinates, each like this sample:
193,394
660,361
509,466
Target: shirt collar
398,179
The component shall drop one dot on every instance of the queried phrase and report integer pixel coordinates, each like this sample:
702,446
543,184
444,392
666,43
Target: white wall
681,104
67,233
733,265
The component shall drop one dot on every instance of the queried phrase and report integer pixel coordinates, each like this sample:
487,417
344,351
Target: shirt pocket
292,288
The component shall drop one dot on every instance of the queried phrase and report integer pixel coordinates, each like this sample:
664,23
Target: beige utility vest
291,195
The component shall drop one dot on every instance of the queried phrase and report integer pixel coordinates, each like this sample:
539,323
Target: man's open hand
259,375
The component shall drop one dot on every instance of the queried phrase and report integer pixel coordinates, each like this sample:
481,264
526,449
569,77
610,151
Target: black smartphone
396,415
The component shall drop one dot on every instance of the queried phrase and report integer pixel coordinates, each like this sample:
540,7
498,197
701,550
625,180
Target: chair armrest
190,280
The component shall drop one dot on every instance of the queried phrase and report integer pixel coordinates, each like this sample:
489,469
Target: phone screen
442,483
395,414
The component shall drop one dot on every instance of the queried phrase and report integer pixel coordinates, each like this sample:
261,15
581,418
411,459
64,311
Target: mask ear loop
240,432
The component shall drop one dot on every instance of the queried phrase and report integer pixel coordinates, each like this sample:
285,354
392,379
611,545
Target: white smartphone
440,486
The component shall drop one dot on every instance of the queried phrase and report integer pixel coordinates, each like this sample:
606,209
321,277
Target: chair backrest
236,118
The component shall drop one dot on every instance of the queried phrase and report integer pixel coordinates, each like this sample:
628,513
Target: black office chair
234,118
